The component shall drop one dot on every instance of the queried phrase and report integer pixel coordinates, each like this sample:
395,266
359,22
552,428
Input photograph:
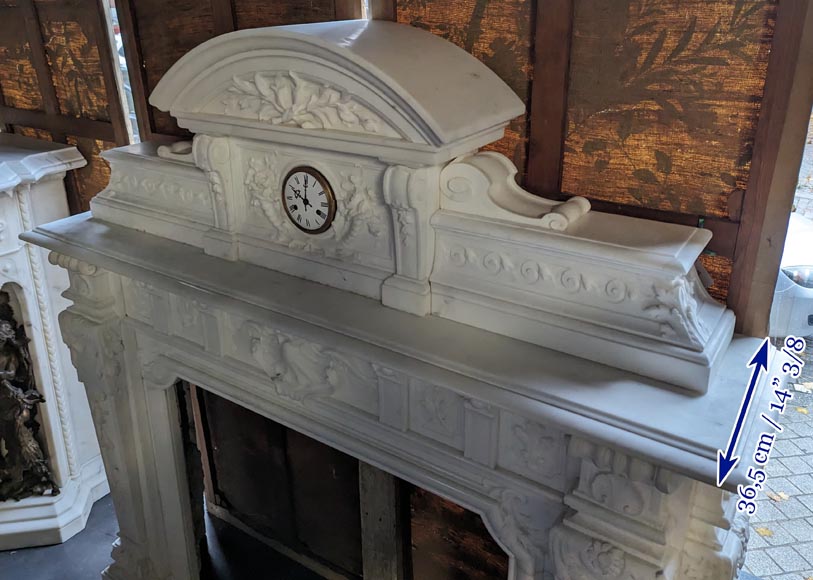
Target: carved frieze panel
186,319
436,413
532,449
361,230
300,370
164,188
137,300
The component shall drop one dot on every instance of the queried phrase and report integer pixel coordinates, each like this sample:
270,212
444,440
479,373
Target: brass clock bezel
331,198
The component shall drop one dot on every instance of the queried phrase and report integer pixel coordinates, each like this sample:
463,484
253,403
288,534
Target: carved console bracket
635,520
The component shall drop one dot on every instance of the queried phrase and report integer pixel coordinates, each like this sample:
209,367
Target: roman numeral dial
308,200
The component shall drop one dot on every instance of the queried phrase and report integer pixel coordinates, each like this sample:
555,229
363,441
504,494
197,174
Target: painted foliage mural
663,101
498,32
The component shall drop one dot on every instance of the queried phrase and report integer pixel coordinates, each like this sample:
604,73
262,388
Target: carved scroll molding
412,197
625,511
293,99
485,184
635,520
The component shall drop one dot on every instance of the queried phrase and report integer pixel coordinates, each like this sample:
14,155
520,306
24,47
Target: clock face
308,200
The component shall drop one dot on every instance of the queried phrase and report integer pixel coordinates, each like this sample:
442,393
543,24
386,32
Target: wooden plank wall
57,83
244,455
156,34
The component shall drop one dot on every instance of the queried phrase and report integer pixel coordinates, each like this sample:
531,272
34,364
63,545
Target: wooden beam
382,547
202,440
135,67
384,10
58,124
4,127
110,74
223,14
347,9
778,150
554,24
39,59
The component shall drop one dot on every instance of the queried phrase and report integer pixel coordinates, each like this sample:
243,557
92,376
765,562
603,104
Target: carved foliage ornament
356,211
514,269
677,307
288,98
159,188
300,369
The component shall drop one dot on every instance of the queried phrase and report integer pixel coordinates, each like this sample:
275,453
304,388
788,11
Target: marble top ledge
644,416
25,160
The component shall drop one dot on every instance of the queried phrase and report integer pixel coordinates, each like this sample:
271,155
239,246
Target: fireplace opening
269,502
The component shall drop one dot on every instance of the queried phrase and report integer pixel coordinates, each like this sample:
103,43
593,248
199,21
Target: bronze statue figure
24,469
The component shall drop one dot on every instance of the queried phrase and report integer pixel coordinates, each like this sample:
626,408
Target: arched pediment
356,80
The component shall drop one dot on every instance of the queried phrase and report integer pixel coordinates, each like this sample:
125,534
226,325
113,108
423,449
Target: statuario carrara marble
32,192
560,371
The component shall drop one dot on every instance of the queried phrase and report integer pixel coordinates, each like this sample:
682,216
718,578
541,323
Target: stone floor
233,555
781,541
83,557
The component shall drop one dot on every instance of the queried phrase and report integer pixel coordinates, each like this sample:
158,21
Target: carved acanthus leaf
512,523
288,98
95,351
676,307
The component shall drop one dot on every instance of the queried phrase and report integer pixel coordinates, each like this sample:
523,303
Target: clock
308,200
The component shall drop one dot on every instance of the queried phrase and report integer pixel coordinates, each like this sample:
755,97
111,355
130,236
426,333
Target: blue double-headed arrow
726,461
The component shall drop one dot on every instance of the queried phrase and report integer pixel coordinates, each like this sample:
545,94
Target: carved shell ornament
287,98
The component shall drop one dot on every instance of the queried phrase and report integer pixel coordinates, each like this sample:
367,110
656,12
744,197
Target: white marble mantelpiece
32,192
561,372
520,422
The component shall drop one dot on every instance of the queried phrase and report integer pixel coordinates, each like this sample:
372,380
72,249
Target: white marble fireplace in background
32,192
562,372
